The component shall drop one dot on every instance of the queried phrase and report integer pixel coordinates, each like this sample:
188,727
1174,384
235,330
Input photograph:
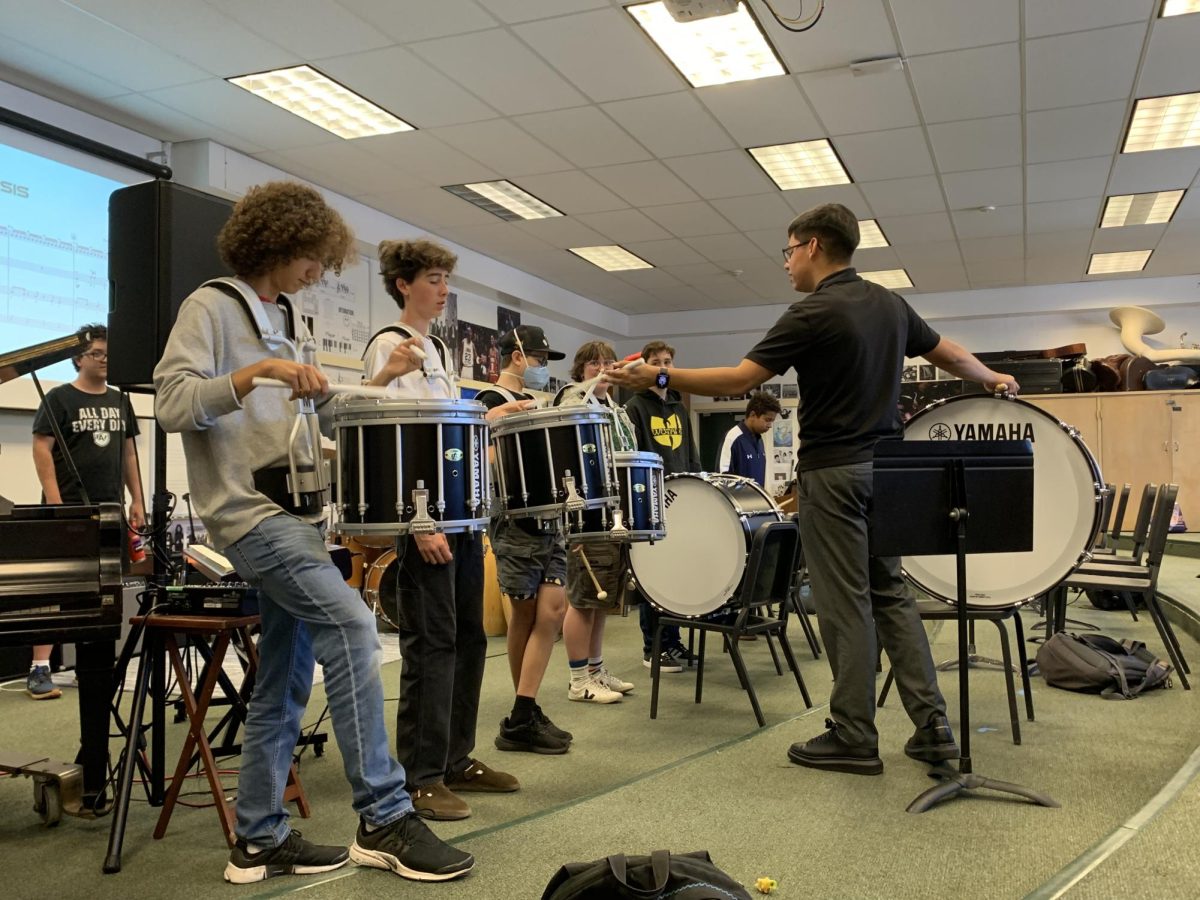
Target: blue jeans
309,615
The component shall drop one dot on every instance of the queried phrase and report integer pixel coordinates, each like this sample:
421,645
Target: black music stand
925,493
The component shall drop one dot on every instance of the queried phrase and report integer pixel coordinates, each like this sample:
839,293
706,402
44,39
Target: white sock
580,674
40,662
595,664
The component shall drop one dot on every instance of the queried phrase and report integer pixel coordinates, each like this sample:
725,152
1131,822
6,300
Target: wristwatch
663,378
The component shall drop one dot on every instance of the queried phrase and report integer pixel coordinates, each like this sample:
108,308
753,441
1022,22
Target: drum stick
601,594
632,362
360,390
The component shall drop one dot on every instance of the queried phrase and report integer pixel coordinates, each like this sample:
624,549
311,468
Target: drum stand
913,475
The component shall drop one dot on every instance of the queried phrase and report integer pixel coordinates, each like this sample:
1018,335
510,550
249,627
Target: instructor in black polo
847,341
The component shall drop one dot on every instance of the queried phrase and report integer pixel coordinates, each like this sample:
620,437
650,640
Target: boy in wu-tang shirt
662,425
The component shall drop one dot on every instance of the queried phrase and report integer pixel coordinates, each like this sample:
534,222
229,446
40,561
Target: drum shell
640,497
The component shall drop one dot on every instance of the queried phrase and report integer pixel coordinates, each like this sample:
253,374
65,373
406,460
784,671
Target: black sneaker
934,743
683,655
829,751
561,733
531,737
408,848
667,663
295,856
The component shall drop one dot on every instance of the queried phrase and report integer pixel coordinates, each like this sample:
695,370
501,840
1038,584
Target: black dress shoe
934,743
828,751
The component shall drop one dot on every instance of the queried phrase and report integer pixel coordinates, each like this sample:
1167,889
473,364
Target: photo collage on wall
445,326
923,384
477,347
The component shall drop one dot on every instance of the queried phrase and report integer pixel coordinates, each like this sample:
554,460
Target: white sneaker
612,682
590,690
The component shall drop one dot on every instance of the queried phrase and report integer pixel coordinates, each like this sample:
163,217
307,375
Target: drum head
694,570
1066,501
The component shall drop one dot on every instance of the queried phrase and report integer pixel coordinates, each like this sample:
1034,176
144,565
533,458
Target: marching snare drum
1067,500
411,466
554,461
711,520
640,498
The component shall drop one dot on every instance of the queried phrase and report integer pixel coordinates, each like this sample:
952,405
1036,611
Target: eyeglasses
97,355
601,363
792,248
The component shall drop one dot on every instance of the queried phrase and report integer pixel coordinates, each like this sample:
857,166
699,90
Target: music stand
925,493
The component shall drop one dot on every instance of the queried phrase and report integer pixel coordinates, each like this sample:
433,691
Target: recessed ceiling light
1128,261
1140,209
801,165
870,235
611,258
1179,7
1164,123
503,199
716,50
312,95
893,279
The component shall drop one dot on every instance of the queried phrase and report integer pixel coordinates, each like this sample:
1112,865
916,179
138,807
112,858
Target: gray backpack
1117,670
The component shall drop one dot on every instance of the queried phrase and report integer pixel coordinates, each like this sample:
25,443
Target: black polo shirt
847,341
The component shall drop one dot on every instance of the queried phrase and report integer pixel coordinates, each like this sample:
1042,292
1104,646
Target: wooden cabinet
1080,411
1185,454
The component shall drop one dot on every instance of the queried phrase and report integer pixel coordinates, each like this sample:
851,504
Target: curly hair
94,332
762,403
408,259
279,222
590,352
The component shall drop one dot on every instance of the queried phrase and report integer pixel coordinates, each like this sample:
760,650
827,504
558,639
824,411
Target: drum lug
618,532
421,523
573,502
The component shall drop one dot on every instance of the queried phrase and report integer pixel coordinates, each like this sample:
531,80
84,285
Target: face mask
537,378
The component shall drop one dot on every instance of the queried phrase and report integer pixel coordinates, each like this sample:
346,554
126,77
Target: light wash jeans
309,614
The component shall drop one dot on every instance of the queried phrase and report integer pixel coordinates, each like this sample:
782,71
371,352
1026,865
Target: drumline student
661,424
847,341
236,438
743,452
440,576
583,627
530,563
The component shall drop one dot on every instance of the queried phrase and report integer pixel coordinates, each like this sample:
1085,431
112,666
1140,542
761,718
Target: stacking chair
1107,542
769,573
1139,582
1141,530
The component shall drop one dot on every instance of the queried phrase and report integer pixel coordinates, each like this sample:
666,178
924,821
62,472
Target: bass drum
711,521
1068,491
379,590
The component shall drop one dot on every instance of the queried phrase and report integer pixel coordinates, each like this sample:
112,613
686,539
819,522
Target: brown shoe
480,779
436,801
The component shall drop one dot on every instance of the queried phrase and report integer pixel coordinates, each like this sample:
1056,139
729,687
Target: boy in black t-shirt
98,428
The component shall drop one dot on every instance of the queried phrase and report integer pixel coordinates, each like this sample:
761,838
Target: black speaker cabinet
162,244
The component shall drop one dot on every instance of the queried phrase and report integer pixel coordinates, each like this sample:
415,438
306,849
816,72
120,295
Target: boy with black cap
531,563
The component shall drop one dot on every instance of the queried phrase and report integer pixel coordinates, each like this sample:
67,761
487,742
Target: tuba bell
1135,323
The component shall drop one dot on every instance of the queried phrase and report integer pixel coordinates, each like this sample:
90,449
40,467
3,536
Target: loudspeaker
162,244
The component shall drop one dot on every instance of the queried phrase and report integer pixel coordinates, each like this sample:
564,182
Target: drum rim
346,402
641,457
360,418
371,594
1073,435
403,529
530,419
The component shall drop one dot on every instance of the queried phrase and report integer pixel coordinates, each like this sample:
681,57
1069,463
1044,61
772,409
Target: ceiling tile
1102,67
770,241
310,29
1132,237
585,136
688,219
1189,206
432,207
763,111
1055,269
968,84
917,229
667,253
1068,180
729,174
643,183
500,239
603,53
624,225
991,249
994,187
1075,133
670,124
996,273
721,247
979,144
651,280
1004,220
1060,244
849,103
47,75
501,70
1059,16
420,21
342,166
1160,170
848,29
934,253
902,196
873,259
562,232
933,26
929,279
759,212
403,83
696,273
848,195
572,192
879,155
526,10
1172,65
502,146
421,154
151,117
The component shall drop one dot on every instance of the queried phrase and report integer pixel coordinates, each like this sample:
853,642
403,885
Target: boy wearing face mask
531,563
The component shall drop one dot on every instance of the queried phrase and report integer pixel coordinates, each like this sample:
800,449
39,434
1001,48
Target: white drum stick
359,390
592,382
601,594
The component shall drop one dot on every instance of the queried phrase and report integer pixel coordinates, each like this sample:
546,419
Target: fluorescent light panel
611,258
893,279
503,199
870,235
1179,7
1140,209
311,95
1164,123
801,165
716,50
1127,261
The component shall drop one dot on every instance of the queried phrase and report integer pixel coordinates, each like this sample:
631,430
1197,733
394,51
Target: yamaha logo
588,448
982,431
639,489
453,454
939,431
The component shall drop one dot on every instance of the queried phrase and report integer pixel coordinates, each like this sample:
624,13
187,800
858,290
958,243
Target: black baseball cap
532,340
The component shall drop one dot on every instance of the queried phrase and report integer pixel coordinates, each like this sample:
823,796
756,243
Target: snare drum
640,498
1067,501
410,466
711,520
554,461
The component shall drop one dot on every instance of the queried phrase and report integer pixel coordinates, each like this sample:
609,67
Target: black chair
1141,530
769,574
1107,540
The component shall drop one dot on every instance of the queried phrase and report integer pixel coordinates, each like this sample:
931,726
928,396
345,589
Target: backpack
1117,670
680,876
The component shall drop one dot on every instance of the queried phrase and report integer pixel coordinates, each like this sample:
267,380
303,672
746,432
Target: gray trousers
858,596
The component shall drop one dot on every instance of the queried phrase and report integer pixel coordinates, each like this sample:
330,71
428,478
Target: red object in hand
137,551
632,356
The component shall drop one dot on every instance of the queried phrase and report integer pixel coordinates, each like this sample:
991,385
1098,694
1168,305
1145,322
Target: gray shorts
609,563
524,562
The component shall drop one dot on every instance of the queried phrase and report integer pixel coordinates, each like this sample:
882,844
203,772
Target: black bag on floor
1117,670
680,876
